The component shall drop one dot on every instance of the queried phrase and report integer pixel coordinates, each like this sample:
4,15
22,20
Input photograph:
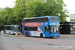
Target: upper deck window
36,20
54,19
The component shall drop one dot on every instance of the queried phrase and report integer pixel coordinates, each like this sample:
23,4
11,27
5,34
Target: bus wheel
41,35
26,34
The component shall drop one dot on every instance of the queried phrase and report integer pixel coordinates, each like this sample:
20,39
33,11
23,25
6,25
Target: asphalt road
71,39
20,42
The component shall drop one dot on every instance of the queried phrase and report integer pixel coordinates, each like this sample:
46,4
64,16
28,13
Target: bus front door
47,31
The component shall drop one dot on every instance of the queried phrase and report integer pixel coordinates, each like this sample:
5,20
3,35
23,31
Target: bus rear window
52,19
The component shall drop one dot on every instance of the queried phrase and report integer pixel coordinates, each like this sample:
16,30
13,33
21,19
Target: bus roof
39,17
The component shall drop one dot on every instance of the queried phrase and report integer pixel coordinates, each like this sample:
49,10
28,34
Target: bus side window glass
11,28
25,28
46,29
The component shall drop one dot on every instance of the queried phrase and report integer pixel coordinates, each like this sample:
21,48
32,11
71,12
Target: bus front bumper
55,34
17,33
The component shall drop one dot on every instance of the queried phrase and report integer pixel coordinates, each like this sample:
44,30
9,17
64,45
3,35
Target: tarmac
61,35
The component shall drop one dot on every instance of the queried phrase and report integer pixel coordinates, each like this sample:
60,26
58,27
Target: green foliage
46,8
72,20
32,8
19,11
5,15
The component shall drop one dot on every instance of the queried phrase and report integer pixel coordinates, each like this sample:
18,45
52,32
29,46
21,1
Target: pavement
67,35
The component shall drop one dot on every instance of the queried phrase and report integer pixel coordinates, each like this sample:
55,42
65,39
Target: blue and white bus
46,26
11,29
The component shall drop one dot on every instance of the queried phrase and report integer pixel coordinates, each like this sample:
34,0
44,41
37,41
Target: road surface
20,42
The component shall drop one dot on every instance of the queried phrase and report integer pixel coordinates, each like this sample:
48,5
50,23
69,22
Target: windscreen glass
16,28
54,29
54,19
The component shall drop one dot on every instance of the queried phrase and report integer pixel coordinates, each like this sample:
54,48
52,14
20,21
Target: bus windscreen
52,19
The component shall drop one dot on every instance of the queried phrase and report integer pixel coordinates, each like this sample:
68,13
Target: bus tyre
26,34
41,35
52,37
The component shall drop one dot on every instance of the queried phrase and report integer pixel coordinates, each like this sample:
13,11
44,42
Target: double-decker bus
46,26
11,29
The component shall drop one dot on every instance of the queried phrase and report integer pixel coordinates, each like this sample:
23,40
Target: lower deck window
8,28
30,28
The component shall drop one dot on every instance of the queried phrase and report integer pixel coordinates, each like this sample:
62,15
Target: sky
7,3
70,5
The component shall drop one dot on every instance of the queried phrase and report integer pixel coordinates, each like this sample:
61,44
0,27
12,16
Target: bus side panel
45,33
23,28
37,33
4,31
8,31
28,32
33,33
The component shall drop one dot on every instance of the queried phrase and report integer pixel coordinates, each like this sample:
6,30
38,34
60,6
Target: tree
46,8
14,15
19,11
72,20
6,16
32,8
